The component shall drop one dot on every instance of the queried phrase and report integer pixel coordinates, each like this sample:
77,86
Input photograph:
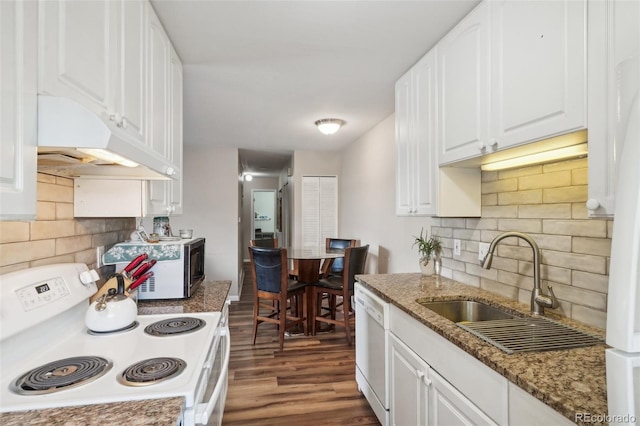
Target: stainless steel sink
465,310
510,333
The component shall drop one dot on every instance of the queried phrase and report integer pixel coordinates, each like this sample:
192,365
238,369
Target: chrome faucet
539,300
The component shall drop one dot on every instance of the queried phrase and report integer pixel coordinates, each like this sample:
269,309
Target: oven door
209,407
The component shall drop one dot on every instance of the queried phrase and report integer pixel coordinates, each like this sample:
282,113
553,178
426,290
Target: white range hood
68,133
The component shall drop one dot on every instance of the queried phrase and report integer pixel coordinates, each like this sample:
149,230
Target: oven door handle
204,410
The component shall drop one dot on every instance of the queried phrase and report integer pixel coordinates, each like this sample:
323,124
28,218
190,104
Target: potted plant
430,249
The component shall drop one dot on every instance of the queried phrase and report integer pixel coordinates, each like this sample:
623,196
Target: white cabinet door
425,173
18,114
175,134
130,99
614,70
417,166
158,80
77,52
538,70
450,407
463,88
408,386
404,145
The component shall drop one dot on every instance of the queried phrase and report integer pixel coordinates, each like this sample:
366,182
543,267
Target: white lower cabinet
408,385
448,406
420,396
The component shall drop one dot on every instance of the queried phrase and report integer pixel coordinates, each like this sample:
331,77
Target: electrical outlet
456,247
483,249
99,253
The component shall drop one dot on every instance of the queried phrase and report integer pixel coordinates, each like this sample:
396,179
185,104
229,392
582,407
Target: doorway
263,213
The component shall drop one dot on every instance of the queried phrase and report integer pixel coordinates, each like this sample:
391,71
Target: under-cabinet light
101,154
557,154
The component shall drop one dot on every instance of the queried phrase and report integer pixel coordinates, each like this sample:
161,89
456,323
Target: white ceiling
257,74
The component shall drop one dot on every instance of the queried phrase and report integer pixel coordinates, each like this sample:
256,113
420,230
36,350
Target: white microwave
176,277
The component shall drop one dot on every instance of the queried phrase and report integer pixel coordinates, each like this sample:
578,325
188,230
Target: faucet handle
554,299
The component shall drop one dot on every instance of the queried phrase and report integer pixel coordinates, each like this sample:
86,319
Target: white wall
310,163
367,202
211,206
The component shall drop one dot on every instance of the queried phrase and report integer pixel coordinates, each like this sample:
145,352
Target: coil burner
60,375
151,371
173,326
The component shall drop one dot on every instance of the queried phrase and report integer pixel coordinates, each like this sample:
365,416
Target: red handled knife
142,269
134,264
140,280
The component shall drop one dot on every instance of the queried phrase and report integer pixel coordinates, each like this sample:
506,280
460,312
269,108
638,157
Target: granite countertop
210,297
570,381
133,413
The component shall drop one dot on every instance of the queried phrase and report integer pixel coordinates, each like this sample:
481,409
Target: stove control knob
89,277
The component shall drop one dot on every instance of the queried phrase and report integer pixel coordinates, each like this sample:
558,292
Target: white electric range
50,359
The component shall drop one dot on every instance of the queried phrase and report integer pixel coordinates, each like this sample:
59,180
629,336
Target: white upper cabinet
158,81
416,177
112,57
538,70
130,101
165,197
463,86
93,52
78,52
510,73
614,84
175,134
18,114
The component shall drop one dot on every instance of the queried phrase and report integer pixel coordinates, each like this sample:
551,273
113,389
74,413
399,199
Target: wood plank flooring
310,382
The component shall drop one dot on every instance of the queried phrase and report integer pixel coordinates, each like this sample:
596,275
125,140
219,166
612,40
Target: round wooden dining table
308,261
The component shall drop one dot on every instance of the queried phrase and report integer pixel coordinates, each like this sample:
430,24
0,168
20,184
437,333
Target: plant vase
427,266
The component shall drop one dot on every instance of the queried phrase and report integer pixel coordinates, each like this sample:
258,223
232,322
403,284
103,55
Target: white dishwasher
372,328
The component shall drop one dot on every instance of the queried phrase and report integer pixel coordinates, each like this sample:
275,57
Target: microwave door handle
204,410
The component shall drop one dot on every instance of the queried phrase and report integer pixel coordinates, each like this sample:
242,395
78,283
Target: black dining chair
274,291
354,262
264,242
335,266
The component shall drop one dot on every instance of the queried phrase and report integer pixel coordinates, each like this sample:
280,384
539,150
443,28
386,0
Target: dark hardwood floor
310,382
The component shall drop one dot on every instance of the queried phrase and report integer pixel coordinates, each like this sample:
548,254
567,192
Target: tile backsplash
56,236
547,202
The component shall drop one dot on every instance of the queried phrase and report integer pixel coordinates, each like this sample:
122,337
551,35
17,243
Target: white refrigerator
623,304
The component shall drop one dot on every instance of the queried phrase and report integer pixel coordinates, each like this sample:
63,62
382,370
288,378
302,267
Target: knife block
111,283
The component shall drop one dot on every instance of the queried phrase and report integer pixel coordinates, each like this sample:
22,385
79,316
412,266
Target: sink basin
465,310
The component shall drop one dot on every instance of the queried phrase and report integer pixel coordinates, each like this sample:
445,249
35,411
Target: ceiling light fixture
329,126
248,177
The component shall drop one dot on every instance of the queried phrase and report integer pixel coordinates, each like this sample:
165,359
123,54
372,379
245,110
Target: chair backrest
264,242
354,259
269,269
338,243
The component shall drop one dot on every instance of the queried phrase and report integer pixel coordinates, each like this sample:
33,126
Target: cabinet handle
481,146
592,204
426,381
420,374
494,144
123,122
170,171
